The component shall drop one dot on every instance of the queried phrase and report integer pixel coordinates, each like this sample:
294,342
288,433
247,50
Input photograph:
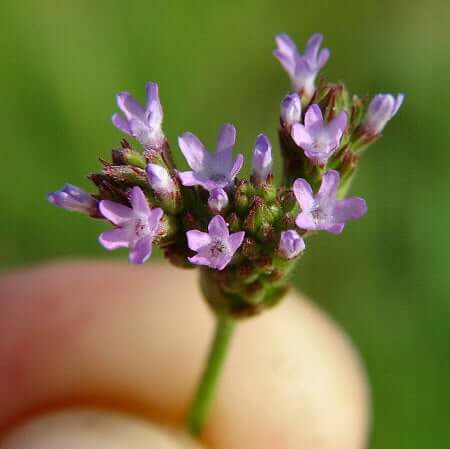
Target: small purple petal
194,151
301,136
330,184
262,159
349,209
138,201
226,139
305,220
218,227
336,228
115,238
197,239
129,106
141,251
154,112
313,115
114,212
73,198
337,126
398,103
313,45
121,123
188,178
154,217
303,193
235,240
238,163
291,244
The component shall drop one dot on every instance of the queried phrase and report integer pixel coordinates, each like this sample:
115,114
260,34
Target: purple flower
291,109
262,159
381,109
71,197
143,124
318,139
136,226
216,247
323,211
210,171
302,70
218,200
160,180
291,244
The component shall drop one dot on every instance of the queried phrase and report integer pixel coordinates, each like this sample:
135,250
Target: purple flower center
141,228
319,215
217,248
219,178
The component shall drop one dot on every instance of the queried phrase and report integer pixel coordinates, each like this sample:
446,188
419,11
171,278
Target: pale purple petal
312,46
154,112
115,238
287,62
349,209
141,251
154,217
330,184
218,227
188,178
262,159
336,228
73,198
324,55
197,239
235,241
194,152
305,220
398,103
116,213
301,136
337,125
121,123
236,166
221,262
200,260
139,202
226,139
130,107
303,193
285,44
313,115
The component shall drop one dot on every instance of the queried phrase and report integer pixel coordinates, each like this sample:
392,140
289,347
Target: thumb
94,429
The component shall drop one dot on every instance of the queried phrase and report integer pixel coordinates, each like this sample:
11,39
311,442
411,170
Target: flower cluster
245,234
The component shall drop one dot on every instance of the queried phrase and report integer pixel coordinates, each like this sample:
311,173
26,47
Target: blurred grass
385,279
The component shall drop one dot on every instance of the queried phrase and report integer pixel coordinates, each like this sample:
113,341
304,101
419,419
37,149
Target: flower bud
262,159
381,109
73,198
291,244
291,109
166,189
218,200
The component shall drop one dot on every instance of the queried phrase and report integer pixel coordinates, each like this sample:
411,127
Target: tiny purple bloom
381,109
71,197
143,124
324,211
302,70
216,247
262,159
318,139
136,226
291,109
159,179
218,200
210,171
291,244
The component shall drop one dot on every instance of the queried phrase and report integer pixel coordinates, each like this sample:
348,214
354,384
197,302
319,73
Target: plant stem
207,387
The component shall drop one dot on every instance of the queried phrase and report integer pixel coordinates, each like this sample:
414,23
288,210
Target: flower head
143,124
324,211
291,109
216,247
262,159
291,244
136,226
71,197
302,69
381,109
210,171
319,140
218,200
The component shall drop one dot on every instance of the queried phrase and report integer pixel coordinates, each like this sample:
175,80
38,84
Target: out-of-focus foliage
385,279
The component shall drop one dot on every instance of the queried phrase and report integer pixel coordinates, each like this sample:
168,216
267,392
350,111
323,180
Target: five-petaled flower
136,226
262,159
302,70
210,171
323,211
143,124
318,139
381,109
291,244
216,247
73,198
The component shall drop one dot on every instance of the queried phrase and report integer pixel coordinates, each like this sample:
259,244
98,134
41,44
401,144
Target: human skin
99,355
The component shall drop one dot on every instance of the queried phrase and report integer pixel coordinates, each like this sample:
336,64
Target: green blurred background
385,279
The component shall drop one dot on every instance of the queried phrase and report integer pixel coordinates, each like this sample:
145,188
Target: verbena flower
159,179
218,200
211,171
302,69
291,109
216,247
73,198
318,139
291,244
136,226
262,159
143,124
381,109
323,211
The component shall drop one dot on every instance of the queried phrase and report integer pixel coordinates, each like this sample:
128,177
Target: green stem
207,387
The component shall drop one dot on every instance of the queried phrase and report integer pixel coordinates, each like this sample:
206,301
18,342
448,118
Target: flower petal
115,212
398,103
286,44
324,55
154,218
141,251
226,139
237,166
301,136
129,106
303,193
349,209
336,127
201,260
194,152
139,202
197,239
218,227
115,238
313,115
330,185
335,228
305,221
235,241
121,123
153,112
312,47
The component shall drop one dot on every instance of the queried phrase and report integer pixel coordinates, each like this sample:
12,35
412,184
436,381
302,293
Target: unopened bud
291,110
291,244
218,200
